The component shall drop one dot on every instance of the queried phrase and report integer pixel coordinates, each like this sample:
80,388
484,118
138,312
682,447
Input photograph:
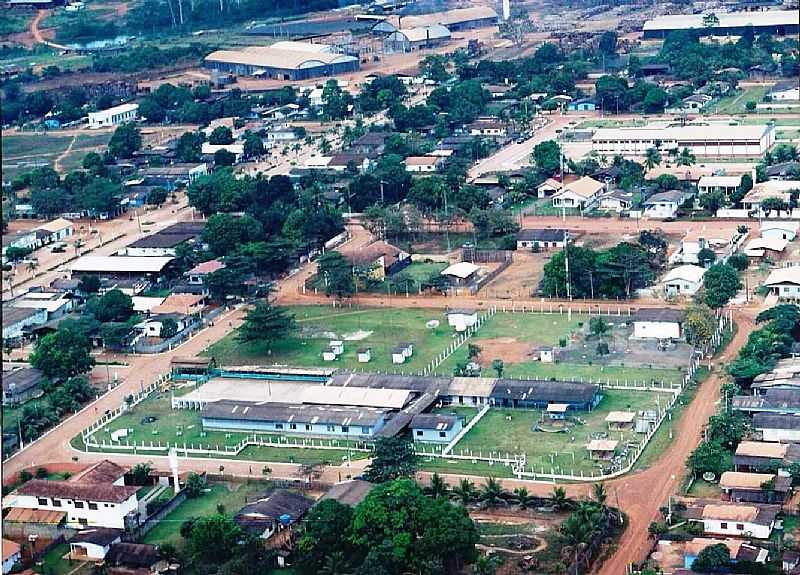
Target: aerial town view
400,287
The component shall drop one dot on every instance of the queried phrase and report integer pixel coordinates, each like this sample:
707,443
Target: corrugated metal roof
726,20
269,57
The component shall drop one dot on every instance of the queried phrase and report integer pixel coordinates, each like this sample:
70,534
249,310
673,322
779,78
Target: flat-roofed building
701,140
755,456
113,116
538,394
658,323
454,20
280,63
777,426
121,266
20,385
776,22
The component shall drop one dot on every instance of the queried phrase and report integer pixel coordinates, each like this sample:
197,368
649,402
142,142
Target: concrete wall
106,514
309,429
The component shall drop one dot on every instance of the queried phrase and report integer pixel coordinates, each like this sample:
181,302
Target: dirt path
64,154
37,33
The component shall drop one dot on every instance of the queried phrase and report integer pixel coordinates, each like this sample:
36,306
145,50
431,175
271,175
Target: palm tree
686,158
599,493
652,158
560,499
437,488
492,493
465,491
334,564
522,495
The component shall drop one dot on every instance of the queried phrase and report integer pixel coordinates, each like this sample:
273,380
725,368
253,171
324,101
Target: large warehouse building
453,20
283,61
702,140
777,22
412,39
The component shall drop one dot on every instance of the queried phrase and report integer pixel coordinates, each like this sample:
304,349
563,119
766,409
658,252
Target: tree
337,274
465,491
214,539
64,353
750,105
157,196
713,559
608,43
720,283
223,157
581,267
392,458
599,493
68,397
655,100
560,499
412,533
712,201
686,158
89,284
265,324
125,141
598,327
492,492
727,429
169,328
114,305
699,324
546,157
710,457
706,257
437,487
324,532
221,136
35,419
739,262
225,233
140,474
195,484
14,254
652,158
335,101
498,366
189,147
253,146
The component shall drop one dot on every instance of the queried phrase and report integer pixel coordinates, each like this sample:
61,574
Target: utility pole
447,221
566,264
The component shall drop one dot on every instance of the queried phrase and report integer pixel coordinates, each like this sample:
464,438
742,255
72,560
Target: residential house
488,128
497,91
770,399
744,487
461,319
275,511
616,201
784,282
538,394
436,428
94,543
784,171
16,320
757,456
582,105
371,144
345,161
620,420
198,275
721,239
537,238
664,205
171,176
785,90
54,231
21,385
380,258
422,164
152,326
602,449
734,519
165,242
724,184
785,230
771,248
777,426
23,239
739,550
350,492
96,497
121,267
237,150
136,557
55,303
581,194
658,323
461,273
696,102
279,134
548,188
11,555
683,280
781,189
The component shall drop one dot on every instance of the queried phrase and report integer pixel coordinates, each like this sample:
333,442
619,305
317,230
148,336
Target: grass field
735,103
54,564
233,496
14,22
505,430
179,426
379,329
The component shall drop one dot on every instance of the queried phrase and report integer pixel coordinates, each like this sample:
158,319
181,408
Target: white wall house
735,519
86,504
664,205
435,427
57,230
777,426
579,194
785,90
210,149
782,230
422,164
113,116
725,184
658,323
683,280
93,543
784,282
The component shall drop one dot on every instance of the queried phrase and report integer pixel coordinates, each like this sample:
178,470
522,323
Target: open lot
26,151
380,329
512,431
736,103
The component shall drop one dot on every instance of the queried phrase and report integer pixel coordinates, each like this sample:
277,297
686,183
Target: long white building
701,140
113,116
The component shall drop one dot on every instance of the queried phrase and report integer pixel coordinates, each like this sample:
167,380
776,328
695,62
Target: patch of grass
541,329
464,467
544,207
14,22
34,145
791,523
508,431
53,563
379,329
465,412
233,496
736,103
702,488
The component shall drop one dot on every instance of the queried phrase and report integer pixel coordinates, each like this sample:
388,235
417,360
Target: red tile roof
77,490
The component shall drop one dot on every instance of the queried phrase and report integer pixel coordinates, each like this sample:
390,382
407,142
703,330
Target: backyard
380,329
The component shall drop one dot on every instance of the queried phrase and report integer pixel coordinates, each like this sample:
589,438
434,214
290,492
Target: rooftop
125,264
585,187
56,225
100,473
350,492
133,555
761,449
270,57
541,235
98,536
621,417
686,272
602,445
662,314
544,391
292,413
726,20
421,160
22,379
433,421
739,480
689,132
764,420
790,275
272,508
184,303
77,490
13,315
461,270
205,268
423,33
10,548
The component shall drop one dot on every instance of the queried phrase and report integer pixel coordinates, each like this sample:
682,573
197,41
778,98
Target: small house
350,492
785,90
723,184
582,105
777,426
349,161
329,354
57,230
11,555
277,511
734,519
557,411
461,319
784,282
94,543
133,556
617,201
548,188
380,259
784,230
337,346
211,149
422,164
658,323
21,385
771,247
756,456
546,355
398,355
790,561
536,238
683,280
620,420
602,449
581,193
739,550
364,354
152,326
199,273
664,205
434,427
744,487
461,273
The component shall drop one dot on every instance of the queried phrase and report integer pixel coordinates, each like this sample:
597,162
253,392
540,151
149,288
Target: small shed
364,354
399,354
461,273
646,421
94,543
620,420
658,323
557,411
329,354
546,354
461,319
435,427
337,346
602,449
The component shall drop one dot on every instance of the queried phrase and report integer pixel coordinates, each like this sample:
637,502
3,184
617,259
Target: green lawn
54,564
30,145
507,430
704,489
466,413
735,103
791,523
379,329
535,328
233,496
544,207
14,21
